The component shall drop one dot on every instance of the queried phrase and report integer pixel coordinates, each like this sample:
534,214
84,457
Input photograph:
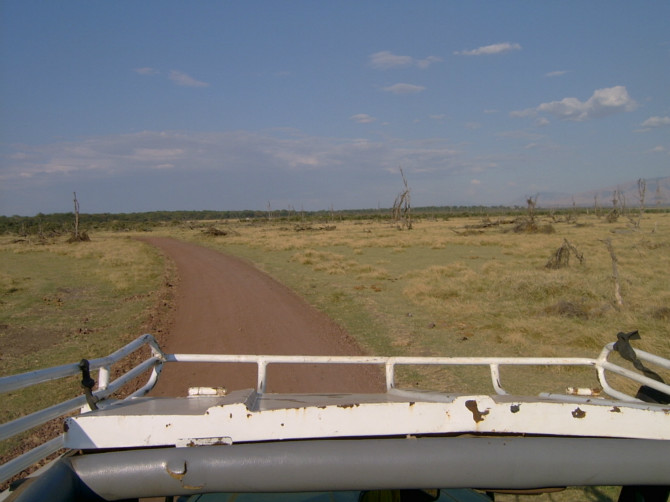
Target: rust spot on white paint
477,415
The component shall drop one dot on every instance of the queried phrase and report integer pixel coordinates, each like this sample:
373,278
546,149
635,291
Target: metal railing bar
133,373
22,380
27,422
495,380
394,360
636,377
30,378
262,361
16,465
153,378
40,417
127,350
653,358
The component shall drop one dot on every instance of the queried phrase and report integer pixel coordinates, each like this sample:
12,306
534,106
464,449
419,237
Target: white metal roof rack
365,423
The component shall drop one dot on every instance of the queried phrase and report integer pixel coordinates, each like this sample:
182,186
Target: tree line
63,223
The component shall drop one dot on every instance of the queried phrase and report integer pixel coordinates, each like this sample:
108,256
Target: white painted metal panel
247,416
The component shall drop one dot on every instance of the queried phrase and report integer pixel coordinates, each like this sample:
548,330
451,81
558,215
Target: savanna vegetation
461,281
473,286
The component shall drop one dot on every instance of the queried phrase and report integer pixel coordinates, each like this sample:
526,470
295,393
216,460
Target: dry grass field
457,286
472,287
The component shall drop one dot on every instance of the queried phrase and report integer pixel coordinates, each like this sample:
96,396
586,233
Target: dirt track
225,305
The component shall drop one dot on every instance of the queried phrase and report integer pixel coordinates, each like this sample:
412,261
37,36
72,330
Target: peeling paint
515,408
176,470
616,409
209,441
477,415
348,405
578,413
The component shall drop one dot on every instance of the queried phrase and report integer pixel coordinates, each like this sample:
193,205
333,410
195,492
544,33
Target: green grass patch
63,302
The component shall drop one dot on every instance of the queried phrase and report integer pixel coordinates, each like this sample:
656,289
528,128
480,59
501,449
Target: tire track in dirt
225,305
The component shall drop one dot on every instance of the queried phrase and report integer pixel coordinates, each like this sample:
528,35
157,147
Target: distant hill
657,194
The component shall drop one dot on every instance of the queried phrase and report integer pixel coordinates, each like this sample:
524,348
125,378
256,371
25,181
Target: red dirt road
226,306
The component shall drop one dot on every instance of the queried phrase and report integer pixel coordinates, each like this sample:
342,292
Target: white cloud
528,112
558,73
236,170
658,149
362,118
401,88
425,63
603,102
656,122
490,49
241,153
156,154
185,80
146,71
385,60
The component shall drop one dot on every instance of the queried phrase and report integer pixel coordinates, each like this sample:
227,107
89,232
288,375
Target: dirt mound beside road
227,306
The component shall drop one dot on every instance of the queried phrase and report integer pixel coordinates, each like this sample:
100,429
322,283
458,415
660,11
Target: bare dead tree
402,208
622,201
615,274
572,216
77,235
561,258
528,224
531,205
614,214
641,191
76,217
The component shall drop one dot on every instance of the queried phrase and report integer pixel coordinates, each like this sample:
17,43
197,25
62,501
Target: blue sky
166,105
